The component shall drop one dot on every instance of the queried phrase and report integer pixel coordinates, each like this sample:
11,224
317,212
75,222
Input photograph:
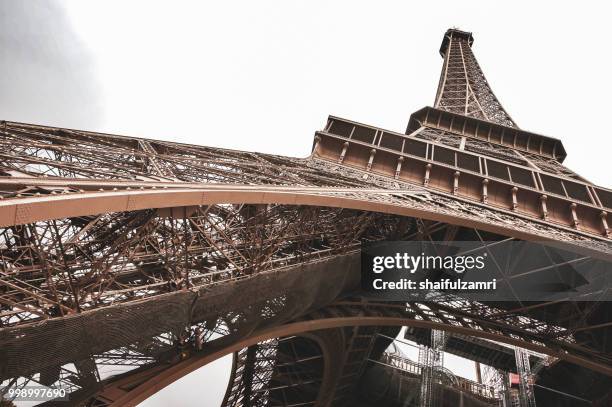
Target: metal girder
155,258
526,392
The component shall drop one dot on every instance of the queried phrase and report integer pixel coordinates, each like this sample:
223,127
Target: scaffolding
432,360
523,368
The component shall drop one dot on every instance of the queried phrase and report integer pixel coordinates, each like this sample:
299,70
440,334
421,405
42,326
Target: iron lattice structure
127,263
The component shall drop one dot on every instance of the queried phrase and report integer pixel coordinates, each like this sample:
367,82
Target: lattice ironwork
150,258
441,376
463,87
56,268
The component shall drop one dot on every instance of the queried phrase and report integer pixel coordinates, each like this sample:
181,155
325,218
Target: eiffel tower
127,263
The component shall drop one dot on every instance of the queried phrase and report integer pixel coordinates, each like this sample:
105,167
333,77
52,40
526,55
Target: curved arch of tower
127,263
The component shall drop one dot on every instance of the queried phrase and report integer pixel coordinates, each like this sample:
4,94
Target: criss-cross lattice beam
463,87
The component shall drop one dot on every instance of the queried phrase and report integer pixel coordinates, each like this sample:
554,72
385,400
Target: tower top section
463,88
455,33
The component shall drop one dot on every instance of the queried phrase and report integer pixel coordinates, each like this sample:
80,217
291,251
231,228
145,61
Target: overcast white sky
264,75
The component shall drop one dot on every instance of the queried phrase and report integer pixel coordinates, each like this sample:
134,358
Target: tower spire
463,88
